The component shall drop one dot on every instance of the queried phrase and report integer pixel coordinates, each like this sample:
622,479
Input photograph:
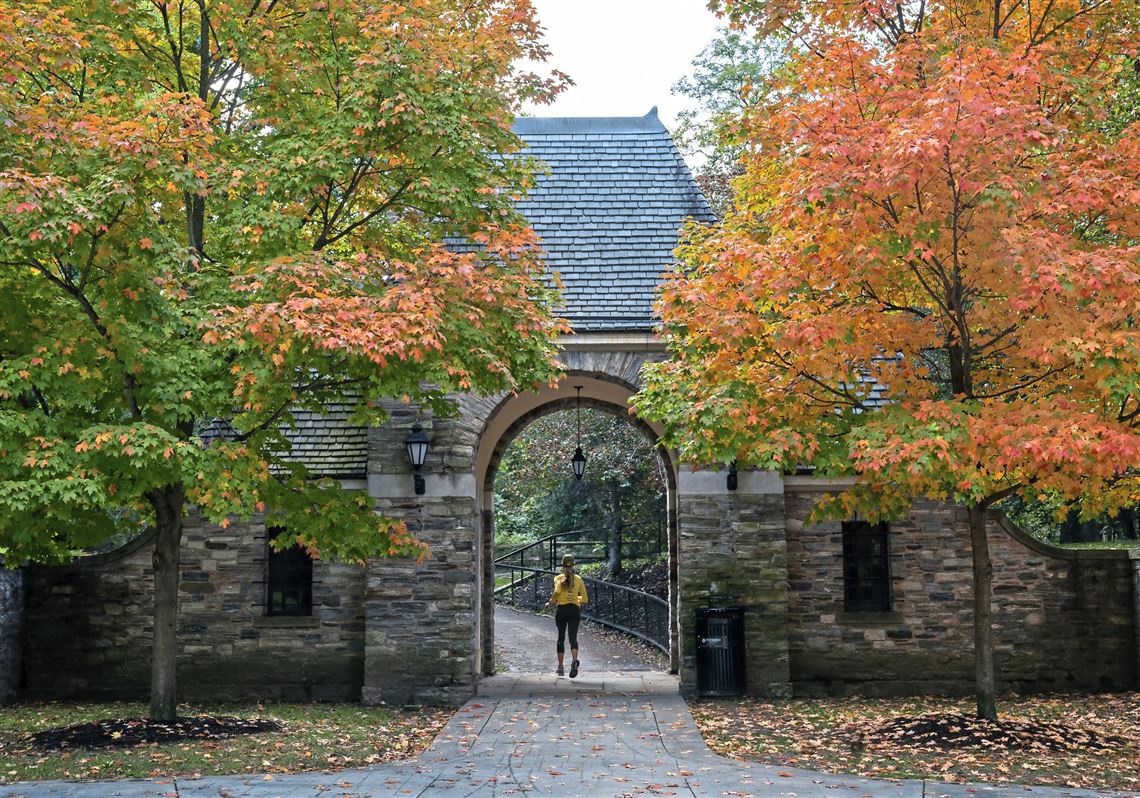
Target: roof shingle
608,212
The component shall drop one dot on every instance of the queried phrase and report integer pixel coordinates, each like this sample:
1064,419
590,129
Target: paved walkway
524,642
602,735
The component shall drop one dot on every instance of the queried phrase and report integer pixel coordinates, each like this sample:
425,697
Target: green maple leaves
232,231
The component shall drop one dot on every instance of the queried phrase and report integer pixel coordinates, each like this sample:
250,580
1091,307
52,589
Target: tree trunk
1128,527
983,614
1074,530
167,503
615,530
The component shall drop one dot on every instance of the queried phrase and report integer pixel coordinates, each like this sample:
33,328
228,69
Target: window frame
866,574
288,572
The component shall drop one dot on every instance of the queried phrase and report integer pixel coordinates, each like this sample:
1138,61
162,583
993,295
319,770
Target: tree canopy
930,279
724,82
217,210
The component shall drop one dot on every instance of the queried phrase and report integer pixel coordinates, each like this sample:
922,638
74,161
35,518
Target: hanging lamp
578,461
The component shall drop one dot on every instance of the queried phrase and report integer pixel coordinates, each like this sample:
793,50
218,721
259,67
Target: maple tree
718,86
929,283
218,210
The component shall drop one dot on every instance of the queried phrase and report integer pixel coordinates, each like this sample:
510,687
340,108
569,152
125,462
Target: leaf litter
1085,741
128,732
307,737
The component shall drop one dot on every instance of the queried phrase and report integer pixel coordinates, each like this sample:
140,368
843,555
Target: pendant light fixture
578,461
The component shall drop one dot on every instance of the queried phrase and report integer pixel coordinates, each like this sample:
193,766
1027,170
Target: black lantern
731,482
417,444
578,461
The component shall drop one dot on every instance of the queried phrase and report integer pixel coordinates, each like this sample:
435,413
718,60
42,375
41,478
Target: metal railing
546,552
531,571
587,545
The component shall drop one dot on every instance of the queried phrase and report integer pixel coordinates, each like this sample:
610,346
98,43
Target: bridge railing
631,611
586,545
528,580
546,552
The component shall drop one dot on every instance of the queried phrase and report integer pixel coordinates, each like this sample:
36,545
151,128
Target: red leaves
922,222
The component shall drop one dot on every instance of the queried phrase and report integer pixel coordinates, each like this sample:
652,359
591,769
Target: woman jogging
568,597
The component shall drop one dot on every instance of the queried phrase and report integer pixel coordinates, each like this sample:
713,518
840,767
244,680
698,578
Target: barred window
866,567
290,581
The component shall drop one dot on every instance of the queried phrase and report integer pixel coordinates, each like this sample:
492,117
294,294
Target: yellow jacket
572,592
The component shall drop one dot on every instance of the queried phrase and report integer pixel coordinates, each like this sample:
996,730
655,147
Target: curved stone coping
144,538
1056,552
810,484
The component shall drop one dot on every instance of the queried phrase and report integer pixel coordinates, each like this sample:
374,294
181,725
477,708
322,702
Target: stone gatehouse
831,608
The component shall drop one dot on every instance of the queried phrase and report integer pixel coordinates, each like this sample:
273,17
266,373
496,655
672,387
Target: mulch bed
652,579
129,732
953,732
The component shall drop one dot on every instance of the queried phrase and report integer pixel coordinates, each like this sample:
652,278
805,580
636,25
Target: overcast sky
623,55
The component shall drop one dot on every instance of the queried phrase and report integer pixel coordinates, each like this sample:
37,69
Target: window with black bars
290,581
866,567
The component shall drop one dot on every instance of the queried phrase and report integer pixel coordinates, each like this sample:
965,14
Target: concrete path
603,735
524,643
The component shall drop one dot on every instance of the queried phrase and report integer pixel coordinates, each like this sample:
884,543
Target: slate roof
609,212
326,443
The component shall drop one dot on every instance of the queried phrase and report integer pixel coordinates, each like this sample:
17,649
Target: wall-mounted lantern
731,481
417,444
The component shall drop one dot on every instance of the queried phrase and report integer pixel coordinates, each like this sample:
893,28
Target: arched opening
505,423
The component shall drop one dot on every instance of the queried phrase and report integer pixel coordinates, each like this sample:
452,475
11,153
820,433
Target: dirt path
525,643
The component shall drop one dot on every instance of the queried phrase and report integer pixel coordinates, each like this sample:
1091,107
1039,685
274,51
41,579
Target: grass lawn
819,734
1102,544
316,737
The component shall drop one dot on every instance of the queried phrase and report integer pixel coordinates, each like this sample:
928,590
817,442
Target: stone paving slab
603,735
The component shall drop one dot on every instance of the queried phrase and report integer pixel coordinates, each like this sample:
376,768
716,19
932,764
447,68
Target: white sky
623,55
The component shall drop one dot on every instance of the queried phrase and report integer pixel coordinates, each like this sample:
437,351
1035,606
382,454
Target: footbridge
524,578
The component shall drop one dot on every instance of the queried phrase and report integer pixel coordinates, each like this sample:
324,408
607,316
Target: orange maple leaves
933,215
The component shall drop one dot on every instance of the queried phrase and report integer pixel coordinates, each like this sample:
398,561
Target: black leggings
567,615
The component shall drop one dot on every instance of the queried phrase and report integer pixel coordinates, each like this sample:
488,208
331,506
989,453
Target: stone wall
1134,556
11,632
1062,619
732,547
422,617
88,631
422,629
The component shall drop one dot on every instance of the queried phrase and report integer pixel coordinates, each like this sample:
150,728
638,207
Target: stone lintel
401,486
807,483
707,482
612,341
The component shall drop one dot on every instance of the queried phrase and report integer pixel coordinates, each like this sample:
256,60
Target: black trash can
720,651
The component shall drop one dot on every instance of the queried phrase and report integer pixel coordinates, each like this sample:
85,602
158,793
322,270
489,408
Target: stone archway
513,415
429,626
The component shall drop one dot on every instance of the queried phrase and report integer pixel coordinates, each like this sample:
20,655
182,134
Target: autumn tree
930,280
218,210
724,81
